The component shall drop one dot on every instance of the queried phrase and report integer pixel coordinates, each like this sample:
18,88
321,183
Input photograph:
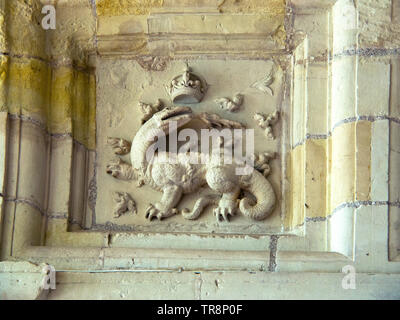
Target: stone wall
64,91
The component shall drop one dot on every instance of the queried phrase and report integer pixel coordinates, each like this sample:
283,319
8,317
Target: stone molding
322,237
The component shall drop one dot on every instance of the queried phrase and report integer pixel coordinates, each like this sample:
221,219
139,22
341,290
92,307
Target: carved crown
187,88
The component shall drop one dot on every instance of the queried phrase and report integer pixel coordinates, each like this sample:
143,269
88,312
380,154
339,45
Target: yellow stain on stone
295,170
328,174
315,178
363,160
28,88
61,98
280,35
72,105
62,91
288,214
343,165
80,107
324,173
351,163
126,7
3,69
144,7
24,32
3,44
270,7
3,78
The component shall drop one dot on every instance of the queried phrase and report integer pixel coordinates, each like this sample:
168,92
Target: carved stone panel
213,93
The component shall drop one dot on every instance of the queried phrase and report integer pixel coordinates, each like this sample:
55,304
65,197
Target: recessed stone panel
235,90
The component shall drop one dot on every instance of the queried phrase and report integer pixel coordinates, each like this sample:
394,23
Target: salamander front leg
166,207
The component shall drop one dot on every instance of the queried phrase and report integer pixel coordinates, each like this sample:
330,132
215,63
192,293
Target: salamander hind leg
224,180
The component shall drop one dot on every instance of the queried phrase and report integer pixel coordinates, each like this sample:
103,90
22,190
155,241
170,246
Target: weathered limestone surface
337,171
221,286
46,75
21,280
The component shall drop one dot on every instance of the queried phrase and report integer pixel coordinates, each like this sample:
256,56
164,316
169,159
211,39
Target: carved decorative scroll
153,63
265,83
230,105
120,146
149,109
213,120
261,162
266,122
123,204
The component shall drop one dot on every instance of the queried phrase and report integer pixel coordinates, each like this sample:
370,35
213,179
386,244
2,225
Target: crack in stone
94,12
197,286
273,247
